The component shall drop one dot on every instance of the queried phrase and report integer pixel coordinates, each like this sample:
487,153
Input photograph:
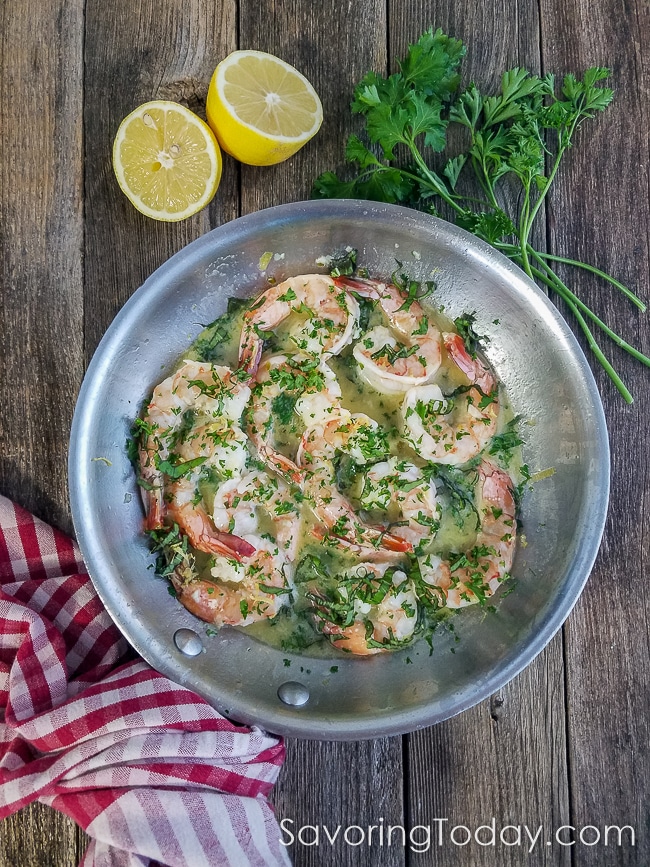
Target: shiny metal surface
293,693
188,642
549,383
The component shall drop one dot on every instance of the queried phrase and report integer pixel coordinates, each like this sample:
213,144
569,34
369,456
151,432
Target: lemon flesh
166,160
261,109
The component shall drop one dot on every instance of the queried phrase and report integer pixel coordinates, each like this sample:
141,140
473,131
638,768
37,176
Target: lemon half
261,109
166,160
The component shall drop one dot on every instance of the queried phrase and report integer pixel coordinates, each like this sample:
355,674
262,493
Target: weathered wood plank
604,189
41,285
334,786
157,50
38,836
40,255
507,757
502,763
478,767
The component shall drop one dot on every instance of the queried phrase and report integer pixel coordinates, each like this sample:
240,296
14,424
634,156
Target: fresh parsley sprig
514,138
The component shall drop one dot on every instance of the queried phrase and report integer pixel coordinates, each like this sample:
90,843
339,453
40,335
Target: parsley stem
593,270
524,230
484,179
570,299
565,291
540,199
513,249
434,182
565,141
600,355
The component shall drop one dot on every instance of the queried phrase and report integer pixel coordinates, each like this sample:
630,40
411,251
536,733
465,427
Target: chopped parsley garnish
343,264
208,345
283,406
465,327
178,470
504,444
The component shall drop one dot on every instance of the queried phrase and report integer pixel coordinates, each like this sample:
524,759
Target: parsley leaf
515,141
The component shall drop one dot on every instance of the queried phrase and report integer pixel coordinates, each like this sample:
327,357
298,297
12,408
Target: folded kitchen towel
148,768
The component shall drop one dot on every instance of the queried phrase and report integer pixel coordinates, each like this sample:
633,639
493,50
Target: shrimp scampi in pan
328,465
373,609
359,436
455,429
190,427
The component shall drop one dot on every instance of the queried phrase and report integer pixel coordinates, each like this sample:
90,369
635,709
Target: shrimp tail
203,536
250,353
225,544
155,510
473,368
283,466
395,543
365,288
370,550
233,545
151,490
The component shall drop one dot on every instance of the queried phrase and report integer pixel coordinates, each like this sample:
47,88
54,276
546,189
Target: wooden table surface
566,742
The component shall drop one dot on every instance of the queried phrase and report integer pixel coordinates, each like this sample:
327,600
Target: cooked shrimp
294,386
194,521
207,389
398,488
406,354
190,427
359,436
241,504
215,448
332,314
373,609
476,574
453,430
477,372
240,591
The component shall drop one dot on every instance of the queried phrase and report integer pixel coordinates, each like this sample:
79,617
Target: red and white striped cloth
149,769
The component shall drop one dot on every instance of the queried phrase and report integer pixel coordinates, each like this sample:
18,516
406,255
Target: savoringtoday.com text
443,832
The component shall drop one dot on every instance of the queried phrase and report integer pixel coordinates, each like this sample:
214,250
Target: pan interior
549,384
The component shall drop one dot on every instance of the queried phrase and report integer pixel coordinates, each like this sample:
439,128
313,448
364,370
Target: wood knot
190,92
496,703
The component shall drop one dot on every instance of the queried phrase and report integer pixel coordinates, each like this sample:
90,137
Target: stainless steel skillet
547,378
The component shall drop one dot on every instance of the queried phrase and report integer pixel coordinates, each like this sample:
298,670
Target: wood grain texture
604,189
158,49
503,761
41,317
38,836
41,235
337,785
367,783
303,35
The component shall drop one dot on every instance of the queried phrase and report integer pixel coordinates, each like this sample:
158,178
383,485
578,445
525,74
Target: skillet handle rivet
293,693
188,642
